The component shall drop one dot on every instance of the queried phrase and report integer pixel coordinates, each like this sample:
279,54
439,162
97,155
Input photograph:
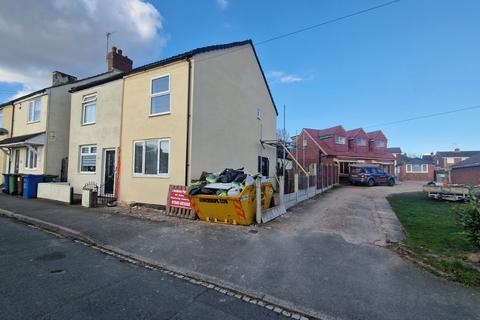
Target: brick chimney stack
117,61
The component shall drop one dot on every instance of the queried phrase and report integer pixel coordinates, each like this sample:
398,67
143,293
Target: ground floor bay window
151,157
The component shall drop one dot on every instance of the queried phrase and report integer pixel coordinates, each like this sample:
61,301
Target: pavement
46,277
326,257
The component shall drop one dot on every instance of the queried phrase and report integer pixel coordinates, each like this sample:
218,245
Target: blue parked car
370,175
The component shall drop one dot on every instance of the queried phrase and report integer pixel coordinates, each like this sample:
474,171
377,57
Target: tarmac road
325,257
46,277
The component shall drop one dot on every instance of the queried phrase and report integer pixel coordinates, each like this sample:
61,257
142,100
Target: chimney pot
117,61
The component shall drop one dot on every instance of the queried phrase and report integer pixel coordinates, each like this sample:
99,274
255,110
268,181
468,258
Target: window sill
30,122
88,172
88,123
159,114
151,176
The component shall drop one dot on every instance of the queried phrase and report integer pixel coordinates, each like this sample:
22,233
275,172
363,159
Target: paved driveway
325,256
359,214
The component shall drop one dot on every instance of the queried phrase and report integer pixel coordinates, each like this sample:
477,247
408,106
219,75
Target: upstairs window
340,140
88,159
160,96
380,144
360,142
34,110
31,158
89,109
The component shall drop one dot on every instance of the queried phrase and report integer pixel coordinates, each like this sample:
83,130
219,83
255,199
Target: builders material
240,209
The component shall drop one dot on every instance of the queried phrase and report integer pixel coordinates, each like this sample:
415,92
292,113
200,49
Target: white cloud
69,36
283,77
222,4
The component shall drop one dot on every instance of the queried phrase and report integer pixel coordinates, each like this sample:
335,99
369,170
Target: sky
409,59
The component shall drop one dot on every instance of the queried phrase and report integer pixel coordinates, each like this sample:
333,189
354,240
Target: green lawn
434,236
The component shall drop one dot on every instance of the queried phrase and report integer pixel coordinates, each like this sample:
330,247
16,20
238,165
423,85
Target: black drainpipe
189,102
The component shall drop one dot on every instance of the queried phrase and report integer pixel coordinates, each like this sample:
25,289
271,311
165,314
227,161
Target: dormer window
380,144
360,142
340,140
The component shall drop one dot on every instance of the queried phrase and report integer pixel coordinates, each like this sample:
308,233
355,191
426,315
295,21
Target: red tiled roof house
337,146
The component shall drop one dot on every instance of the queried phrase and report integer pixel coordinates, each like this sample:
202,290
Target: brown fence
327,175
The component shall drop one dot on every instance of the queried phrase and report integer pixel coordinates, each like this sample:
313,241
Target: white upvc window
89,109
34,111
1,118
31,158
360,142
417,168
450,160
340,140
151,157
379,143
160,95
88,159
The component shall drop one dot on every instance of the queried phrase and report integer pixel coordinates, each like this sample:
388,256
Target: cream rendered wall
20,124
22,127
228,89
138,125
105,133
7,124
59,121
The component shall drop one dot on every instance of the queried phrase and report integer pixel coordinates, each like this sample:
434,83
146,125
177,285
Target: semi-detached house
202,110
37,128
6,112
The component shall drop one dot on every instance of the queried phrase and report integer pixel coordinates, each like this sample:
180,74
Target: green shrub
468,215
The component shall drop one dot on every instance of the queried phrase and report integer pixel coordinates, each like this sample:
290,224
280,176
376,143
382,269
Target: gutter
189,115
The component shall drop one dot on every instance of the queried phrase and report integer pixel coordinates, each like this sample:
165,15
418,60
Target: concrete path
325,256
44,277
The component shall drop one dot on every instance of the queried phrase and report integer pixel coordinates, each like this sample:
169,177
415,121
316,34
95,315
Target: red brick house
337,146
467,171
447,159
416,169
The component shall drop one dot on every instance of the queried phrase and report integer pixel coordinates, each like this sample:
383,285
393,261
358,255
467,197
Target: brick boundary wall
469,175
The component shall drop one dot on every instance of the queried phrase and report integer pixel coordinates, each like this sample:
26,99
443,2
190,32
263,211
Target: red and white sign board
178,199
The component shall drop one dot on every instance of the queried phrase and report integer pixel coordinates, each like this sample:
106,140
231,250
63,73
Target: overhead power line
425,116
318,25
350,15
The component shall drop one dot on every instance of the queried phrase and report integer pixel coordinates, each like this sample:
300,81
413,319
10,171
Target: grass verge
434,239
